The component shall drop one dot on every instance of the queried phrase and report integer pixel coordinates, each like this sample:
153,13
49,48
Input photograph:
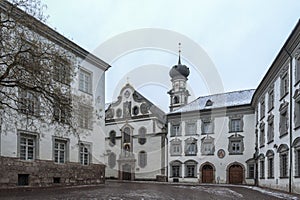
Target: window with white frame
236,144
84,153
60,151
28,102
262,167
142,159
297,70
296,145
283,124
262,135
251,169
62,111
190,128
262,108
190,147
283,151
85,81
271,99
176,169
175,130
207,146
27,146
207,126
62,72
175,147
236,123
85,117
190,169
270,159
284,84
297,108
270,134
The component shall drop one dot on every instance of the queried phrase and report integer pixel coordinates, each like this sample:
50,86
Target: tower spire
179,52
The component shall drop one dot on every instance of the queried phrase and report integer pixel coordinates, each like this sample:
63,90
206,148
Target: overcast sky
240,37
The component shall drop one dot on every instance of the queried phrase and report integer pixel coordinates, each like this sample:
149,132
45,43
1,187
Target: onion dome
179,70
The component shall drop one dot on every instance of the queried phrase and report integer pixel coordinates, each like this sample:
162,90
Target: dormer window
209,103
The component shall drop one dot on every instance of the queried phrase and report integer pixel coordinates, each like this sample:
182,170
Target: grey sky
241,37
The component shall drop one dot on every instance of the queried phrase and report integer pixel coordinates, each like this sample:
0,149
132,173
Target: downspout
291,117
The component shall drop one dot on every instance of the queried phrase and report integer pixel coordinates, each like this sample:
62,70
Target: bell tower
178,94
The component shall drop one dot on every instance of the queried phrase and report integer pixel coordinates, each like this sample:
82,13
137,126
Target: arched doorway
207,174
235,174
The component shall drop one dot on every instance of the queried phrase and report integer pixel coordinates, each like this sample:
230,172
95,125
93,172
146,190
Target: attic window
209,103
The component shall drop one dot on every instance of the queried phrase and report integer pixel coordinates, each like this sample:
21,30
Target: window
112,138
207,146
60,151
262,108
236,124
283,124
262,135
142,136
176,169
251,169
270,157
207,126
175,130
85,81
271,99
190,147
283,156
84,153
297,71
175,147
28,102
284,85
142,159
190,169
262,167
27,146
112,160
236,144
62,72
297,106
62,111
270,135
296,145
126,135
190,128
85,117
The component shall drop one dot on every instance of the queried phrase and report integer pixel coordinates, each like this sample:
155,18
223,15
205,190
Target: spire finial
179,52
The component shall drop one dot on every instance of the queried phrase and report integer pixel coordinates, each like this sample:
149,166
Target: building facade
136,138
35,152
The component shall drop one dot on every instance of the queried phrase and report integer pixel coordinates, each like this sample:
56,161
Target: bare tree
35,73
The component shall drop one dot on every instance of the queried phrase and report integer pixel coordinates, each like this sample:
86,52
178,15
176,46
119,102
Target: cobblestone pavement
147,191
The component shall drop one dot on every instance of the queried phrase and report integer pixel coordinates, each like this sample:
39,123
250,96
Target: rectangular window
60,148
190,128
207,149
85,81
191,149
262,109
62,73
27,147
262,135
62,111
190,170
297,72
235,125
236,147
251,170
297,112
84,153
283,165
175,171
297,163
85,117
175,130
270,131
28,102
283,125
271,167
207,127
271,100
262,169
284,85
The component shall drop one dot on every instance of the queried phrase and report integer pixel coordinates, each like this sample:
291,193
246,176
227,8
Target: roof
222,100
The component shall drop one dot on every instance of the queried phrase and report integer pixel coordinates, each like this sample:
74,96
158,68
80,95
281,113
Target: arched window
112,138
112,160
142,159
176,99
175,169
142,136
126,136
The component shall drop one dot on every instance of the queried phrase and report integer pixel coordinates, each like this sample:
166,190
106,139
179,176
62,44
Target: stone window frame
142,159
112,138
250,168
297,108
271,98
62,113
270,133
270,158
189,174
262,166
297,69
238,118
60,140
283,151
284,82
173,132
28,102
204,122
85,120
296,146
284,119
189,124
262,107
178,144
84,150
142,135
262,135
188,142
176,163
112,160
208,141
84,85
28,135
236,139
62,72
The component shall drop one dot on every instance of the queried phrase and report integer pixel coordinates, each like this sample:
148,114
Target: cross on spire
179,52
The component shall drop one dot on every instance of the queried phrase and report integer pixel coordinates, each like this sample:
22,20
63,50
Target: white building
136,138
35,152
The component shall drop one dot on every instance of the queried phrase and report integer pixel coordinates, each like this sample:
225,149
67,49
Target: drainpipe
291,117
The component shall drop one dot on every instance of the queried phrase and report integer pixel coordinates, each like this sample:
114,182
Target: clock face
127,94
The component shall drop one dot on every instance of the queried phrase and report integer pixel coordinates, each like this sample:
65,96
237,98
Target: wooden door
207,174
236,174
126,172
